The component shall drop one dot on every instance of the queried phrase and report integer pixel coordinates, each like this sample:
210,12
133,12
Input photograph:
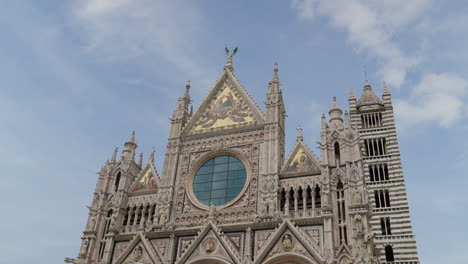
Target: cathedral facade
228,192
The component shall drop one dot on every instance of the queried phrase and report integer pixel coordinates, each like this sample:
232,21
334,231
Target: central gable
227,106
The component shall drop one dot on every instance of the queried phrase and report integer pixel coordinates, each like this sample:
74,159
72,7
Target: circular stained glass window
219,180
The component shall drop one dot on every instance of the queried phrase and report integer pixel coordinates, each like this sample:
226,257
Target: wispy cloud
370,26
438,97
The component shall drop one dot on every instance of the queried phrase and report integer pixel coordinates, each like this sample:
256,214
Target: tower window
385,225
371,120
389,253
382,198
375,147
378,172
318,201
117,181
337,153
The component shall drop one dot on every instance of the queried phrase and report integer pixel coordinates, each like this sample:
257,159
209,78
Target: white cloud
370,26
145,31
305,8
438,97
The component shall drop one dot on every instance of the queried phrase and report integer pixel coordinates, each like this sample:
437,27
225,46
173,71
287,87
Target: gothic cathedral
228,193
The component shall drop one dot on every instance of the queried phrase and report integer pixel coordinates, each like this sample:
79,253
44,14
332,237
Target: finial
299,133
324,121
151,157
132,137
275,70
334,99
140,161
229,54
367,86
114,155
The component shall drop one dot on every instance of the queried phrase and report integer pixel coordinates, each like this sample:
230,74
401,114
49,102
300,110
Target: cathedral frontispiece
229,192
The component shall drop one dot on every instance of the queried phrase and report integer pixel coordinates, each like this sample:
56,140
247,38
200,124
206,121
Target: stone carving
357,197
287,242
84,248
325,195
209,245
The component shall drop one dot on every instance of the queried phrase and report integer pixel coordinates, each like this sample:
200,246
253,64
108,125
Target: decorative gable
227,106
210,244
301,161
147,181
139,250
288,241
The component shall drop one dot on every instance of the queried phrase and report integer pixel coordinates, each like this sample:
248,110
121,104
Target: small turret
336,120
129,148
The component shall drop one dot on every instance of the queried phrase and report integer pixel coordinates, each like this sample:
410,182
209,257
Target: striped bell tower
391,223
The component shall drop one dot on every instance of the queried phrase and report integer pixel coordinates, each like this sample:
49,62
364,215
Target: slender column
312,193
137,212
286,208
304,200
150,213
130,217
296,194
143,217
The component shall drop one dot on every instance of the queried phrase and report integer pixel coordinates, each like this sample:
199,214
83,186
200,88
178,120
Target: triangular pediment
147,181
227,106
301,161
286,241
210,244
139,250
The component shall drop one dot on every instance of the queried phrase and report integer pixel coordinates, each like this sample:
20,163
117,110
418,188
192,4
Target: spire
140,161
324,121
129,148
387,97
230,54
368,96
299,134
351,94
114,155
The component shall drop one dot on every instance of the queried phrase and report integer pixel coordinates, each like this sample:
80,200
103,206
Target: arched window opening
300,199
140,213
291,199
386,172
117,182
387,198
389,253
309,197
337,152
318,201
282,199
371,173
341,207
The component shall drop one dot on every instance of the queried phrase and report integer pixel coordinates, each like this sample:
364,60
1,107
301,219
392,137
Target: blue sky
78,76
